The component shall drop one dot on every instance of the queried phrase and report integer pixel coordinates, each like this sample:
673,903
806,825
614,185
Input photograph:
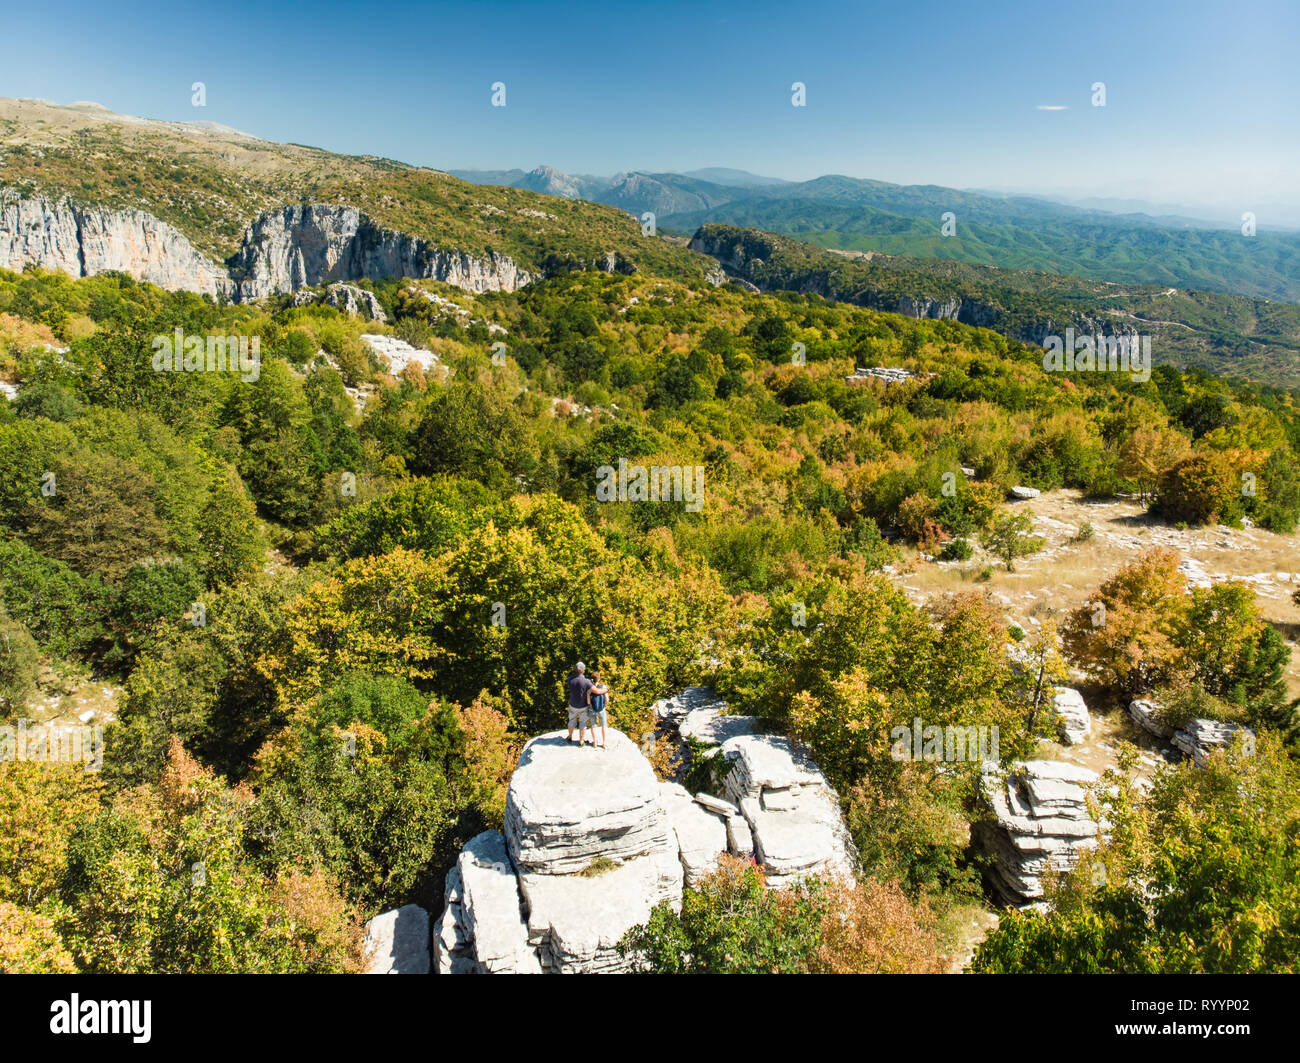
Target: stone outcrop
482,929
789,807
1147,715
1198,738
351,300
1040,822
593,841
56,234
701,831
397,942
590,835
879,372
1024,493
396,354
1073,722
309,244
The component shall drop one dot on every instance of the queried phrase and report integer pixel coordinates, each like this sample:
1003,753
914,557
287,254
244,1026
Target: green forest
293,592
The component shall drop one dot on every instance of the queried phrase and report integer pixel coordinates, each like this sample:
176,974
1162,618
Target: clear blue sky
1203,98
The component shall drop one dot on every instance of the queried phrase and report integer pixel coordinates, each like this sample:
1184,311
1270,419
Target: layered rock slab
701,832
1073,722
1040,823
790,808
568,804
489,929
1199,737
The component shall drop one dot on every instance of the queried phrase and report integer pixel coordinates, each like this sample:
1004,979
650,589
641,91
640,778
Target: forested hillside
334,599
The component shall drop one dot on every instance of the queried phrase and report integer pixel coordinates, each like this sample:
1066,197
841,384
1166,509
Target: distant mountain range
1009,231
212,210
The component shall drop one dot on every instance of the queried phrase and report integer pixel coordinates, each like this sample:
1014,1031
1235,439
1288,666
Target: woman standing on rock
597,696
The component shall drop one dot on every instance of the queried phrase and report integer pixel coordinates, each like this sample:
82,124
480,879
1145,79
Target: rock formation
1040,822
309,244
789,807
397,942
593,841
353,301
286,250
1199,737
83,241
1146,714
1074,723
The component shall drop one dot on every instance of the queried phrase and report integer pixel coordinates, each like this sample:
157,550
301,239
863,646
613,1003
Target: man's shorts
577,717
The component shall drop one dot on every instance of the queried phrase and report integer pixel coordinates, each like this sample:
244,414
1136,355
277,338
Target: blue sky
1203,100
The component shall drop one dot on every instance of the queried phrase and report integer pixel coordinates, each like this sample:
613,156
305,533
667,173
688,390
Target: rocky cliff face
283,251
748,258
58,235
311,244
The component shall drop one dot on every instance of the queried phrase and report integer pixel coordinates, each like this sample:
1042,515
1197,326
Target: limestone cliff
283,251
310,244
82,241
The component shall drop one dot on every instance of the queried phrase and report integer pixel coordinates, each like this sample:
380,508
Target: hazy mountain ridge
1009,231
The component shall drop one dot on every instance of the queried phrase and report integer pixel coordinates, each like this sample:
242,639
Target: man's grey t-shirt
578,687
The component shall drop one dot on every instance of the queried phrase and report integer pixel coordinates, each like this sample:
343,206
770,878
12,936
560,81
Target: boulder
397,942
577,921
717,805
1074,723
790,808
675,709
568,804
492,918
1147,715
1040,823
701,833
1199,737
1024,493
713,725
740,839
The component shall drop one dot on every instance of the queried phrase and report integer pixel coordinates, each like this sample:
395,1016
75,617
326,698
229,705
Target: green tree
731,923
1010,536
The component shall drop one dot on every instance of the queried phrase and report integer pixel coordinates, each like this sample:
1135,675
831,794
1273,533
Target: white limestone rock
577,921
56,234
675,709
1074,723
701,834
568,804
791,810
717,805
1199,737
398,354
740,839
308,244
1024,493
1147,715
397,942
1040,822
712,724
493,919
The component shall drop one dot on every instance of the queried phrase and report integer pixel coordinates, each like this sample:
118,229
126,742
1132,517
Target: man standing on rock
578,685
